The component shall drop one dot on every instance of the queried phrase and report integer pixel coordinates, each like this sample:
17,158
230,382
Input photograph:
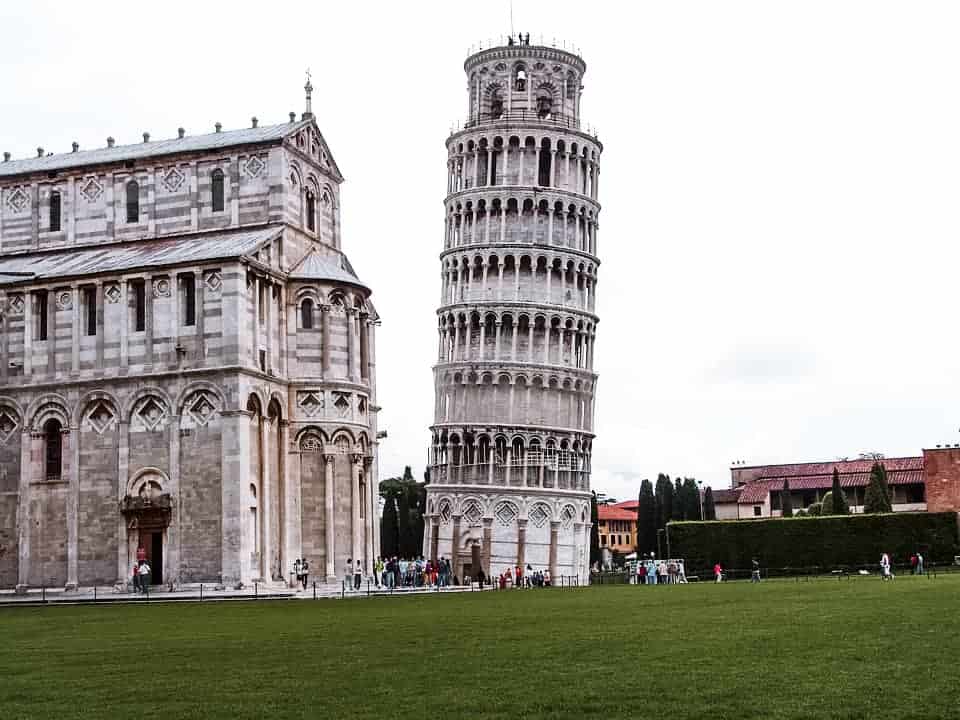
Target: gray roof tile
332,267
153,148
199,247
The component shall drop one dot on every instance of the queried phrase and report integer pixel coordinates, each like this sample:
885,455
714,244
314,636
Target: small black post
43,592
255,590
94,593
314,589
201,592
343,589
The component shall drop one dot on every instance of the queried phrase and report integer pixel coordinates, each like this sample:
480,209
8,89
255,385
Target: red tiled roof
628,505
612,512
726,496
756,492
842,466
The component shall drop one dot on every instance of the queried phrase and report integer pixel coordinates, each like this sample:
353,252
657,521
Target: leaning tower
514,380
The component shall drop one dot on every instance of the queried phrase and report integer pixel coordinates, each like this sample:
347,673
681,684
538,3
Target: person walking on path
297,572
718,572
145,576
681,572
755,574
136,578
357,575
885,572
348,574
304,572
919,564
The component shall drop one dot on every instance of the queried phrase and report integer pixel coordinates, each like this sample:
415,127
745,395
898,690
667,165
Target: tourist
672,572
348,574
718,572
136,578
913,564
529,576
144,572
296,571
357,574
651,572
481,577
886,573
518,582
641,573
919,564
141,554
662,572
304,572
681,572
378,571
755,573
546,578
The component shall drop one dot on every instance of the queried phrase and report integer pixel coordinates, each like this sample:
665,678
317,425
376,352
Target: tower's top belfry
519,81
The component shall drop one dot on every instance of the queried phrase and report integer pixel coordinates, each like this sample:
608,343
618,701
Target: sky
779,183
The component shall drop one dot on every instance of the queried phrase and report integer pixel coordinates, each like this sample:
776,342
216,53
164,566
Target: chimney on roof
39,152
6,157
217,127
146,137
110,142
76,146
181,132
293,117
253,121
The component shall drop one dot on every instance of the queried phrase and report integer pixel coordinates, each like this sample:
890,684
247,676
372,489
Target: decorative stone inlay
151,412
201,408
506,513
18,200
112,293
310,402
445,512
64,300
91,189
8,425
539,515
311,443
173,179
341,403
567,516
472,514
362,406
16,304
253,167
100,418
213,280
161,288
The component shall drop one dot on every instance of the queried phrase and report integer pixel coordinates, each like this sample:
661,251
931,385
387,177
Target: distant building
929,482
617,527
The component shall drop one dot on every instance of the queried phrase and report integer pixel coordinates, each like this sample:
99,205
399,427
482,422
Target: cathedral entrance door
152,541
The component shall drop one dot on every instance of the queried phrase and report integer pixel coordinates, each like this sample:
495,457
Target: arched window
53,452
520,81
55,211
133,202
306,314
571,85
216,190
311,211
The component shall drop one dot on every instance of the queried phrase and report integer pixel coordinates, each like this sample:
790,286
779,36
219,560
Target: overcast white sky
779,185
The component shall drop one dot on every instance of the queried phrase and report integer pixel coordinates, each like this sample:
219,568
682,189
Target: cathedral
187,363
514,382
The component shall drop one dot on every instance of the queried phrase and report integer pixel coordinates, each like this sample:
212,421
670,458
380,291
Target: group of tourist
660,572
301,568
415,573
517,578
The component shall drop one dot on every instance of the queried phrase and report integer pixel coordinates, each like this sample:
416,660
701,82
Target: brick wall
941,468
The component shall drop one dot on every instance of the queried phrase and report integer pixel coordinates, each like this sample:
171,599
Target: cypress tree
826,504
876,499
647,519
679,500
389,530
840,504
664,492
709,508
594,531
406,532
691,499
786,502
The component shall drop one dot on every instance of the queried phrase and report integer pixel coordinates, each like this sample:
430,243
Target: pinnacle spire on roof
308,88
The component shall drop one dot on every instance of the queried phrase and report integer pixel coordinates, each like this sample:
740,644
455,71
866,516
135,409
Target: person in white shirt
357,575
144,575
681,572
348,574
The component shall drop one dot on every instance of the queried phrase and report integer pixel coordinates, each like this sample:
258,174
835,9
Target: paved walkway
206,593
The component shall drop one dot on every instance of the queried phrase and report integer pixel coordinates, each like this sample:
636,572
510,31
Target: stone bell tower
514,380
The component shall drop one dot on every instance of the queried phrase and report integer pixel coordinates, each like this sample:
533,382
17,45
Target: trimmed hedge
825,542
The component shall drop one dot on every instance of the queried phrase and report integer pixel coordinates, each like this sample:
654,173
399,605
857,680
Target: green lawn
825,649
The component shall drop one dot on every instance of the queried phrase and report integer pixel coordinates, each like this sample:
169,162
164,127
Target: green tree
709,508
594,531
647,519
404,524
877,498
664,493
410,498
840,504
826,504
786,502
815,509
691,499
679,500
389,530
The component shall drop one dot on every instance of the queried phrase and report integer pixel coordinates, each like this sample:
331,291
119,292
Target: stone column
521,542
75,333
236,477
434,538
487,543
455,548
351,345
51,333
328,520
266,521
577,548
100,300
123,469
27,336
554,538
24,520
172,557
369,553
355,526
364,348
325,339
73,503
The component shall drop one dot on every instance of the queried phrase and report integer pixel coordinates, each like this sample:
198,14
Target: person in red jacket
718,572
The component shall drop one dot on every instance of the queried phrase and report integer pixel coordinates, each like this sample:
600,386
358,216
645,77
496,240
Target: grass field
826,649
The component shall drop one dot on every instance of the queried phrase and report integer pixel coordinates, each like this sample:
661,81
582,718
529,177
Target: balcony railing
524,116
